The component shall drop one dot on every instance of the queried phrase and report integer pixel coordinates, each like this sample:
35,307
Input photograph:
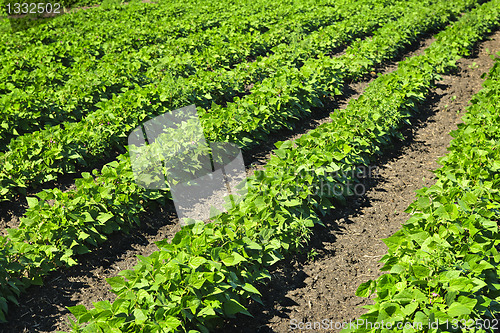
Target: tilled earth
319,283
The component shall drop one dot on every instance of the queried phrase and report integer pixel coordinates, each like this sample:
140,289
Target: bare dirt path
310,290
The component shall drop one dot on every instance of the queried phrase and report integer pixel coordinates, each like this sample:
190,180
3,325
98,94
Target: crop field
250,166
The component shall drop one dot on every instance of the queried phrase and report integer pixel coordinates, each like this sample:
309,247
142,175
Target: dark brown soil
348,249
10,214
321,282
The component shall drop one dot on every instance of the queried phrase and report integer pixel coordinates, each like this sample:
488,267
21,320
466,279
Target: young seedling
474,65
